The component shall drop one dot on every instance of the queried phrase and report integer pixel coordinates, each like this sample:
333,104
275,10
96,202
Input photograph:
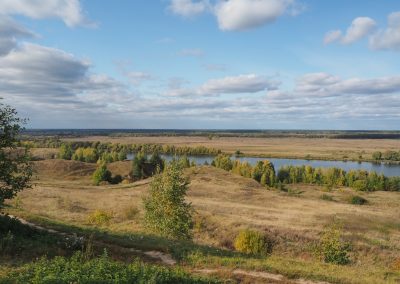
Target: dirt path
167,259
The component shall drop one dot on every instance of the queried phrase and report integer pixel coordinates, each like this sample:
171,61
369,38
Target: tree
15,167
166,211
101,174
65,152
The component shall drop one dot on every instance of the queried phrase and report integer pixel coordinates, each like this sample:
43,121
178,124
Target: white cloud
250,83
238,15
388,38
51,79
332,36
242,84
69,11
188,8
327,85
359,28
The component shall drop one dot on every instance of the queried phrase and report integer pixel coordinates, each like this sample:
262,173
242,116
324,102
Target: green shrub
100,217
252,242
357,200
103,270
331,248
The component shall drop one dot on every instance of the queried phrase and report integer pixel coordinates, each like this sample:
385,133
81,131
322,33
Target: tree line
264,173
389,155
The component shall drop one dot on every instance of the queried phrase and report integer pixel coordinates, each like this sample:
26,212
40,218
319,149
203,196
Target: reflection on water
386,169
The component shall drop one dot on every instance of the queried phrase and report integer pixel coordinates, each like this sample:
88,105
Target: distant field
317,148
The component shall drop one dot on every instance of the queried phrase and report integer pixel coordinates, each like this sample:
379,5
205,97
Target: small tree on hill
15,168
166,211
101,174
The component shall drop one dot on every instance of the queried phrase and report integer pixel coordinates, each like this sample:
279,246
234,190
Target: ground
64,198
317,148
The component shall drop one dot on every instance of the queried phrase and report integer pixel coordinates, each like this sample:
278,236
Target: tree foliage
166,211
15,168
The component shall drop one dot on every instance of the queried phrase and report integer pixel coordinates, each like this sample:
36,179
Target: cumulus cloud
9,32
389,38
238,15
359,29
188,8
69,11
327,85
51,78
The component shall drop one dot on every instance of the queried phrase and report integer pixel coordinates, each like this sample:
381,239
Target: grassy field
65,199
316,148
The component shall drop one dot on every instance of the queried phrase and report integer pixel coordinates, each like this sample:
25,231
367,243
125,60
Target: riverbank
288,148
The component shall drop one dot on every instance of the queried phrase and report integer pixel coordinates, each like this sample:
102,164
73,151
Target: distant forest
331,134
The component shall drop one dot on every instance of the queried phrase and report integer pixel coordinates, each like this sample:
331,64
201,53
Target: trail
157,255
167,259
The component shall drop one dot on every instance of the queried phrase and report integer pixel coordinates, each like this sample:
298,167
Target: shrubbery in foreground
98,270
252,242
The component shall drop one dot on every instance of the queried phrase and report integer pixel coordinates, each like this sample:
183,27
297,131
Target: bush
331,248
98,270
252,242
357,200
100,217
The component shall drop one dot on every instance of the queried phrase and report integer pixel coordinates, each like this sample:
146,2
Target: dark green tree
15,167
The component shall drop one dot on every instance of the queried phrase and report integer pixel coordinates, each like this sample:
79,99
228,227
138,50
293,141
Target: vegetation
252,242
331,248
333,177
264,173
143,167
100,217
166,211
357,200
388,155
15,168
78,269
101,174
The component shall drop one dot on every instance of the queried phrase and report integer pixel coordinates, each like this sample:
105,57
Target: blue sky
256,64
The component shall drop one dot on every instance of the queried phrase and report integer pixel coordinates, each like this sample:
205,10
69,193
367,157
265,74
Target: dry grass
225,204
272,147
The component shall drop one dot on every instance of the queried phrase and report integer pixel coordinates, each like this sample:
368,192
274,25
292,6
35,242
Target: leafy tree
65,152
223,162
101,174
166,211
15,168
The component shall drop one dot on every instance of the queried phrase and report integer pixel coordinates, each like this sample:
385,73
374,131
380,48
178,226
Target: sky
202,64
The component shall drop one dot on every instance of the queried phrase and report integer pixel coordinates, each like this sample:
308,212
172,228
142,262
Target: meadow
64,199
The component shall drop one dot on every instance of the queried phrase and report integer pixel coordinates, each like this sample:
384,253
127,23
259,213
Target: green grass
97,270
191,255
